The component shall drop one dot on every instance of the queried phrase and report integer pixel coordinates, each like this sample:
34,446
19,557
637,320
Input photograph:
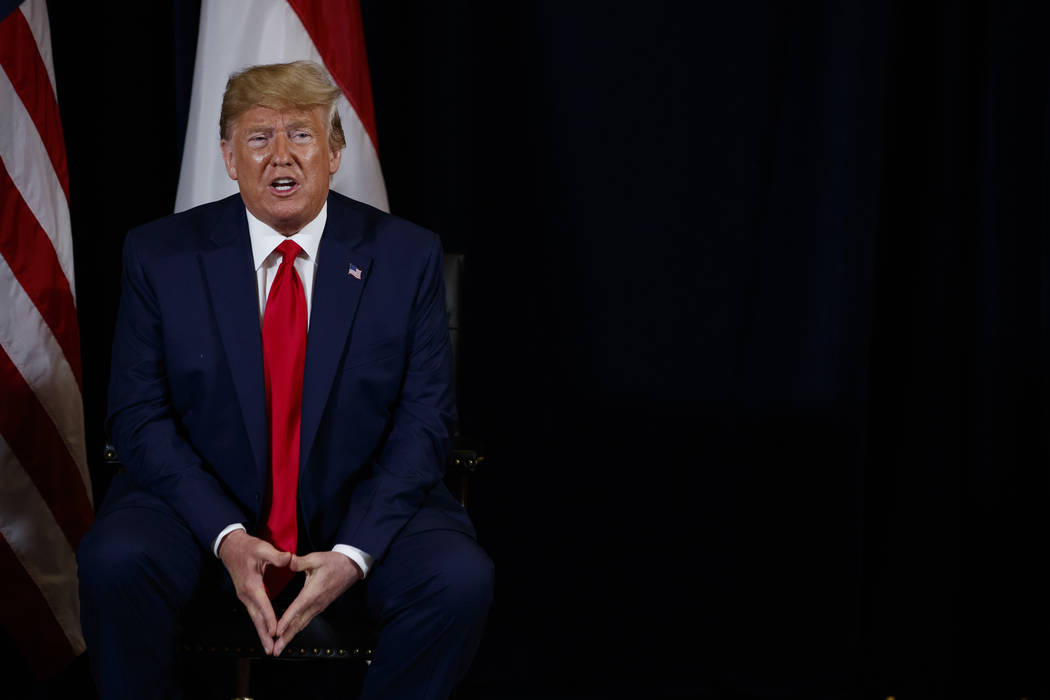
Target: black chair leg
244,679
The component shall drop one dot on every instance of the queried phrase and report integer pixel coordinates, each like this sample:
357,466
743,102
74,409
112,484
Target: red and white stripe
45,489
235,34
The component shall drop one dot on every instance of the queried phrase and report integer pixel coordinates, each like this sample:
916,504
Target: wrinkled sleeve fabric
412,459
141,420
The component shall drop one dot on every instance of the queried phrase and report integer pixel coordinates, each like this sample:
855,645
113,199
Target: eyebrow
266,128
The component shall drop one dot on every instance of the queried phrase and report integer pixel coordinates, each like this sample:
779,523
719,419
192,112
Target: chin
286,218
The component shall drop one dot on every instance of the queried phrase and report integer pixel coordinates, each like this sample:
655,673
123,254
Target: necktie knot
289,250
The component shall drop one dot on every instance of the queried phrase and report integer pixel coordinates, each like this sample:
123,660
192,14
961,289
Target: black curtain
956,490
757,321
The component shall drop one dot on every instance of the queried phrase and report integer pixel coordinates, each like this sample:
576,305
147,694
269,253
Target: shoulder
386,233
187,231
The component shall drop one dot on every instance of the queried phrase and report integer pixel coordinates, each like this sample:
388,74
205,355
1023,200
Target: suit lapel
231,279
336,296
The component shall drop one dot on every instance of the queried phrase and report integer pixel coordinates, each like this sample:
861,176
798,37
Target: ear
227,159
334,158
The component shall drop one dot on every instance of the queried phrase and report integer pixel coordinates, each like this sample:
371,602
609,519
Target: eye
256,140
301,136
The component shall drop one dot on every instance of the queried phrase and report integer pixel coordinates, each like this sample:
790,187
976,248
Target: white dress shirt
264,246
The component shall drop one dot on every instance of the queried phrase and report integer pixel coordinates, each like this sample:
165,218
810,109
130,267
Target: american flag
45,491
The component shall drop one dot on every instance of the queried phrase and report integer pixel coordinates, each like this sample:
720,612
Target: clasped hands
328,575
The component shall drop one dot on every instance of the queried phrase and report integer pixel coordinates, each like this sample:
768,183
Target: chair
221,631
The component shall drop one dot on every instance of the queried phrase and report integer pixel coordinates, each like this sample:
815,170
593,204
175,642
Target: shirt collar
265,239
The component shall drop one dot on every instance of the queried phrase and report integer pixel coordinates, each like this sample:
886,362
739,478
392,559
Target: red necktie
284,355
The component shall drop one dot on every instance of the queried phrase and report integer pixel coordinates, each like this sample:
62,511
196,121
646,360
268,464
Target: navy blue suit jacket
187,409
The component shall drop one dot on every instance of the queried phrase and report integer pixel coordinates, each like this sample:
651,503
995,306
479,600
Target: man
281,400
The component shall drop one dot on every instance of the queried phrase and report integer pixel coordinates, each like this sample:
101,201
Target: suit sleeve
412,459
142,422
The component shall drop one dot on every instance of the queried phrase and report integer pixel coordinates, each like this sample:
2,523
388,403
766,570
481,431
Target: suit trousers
140,566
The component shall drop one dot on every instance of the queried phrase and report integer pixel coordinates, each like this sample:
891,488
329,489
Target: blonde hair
281,86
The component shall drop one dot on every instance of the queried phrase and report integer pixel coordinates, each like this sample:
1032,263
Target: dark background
757,325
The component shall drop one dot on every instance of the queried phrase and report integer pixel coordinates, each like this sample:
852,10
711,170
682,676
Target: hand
328,575
246,557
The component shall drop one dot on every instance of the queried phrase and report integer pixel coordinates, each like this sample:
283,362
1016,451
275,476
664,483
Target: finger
261,628
299,613
287,620
293,624
287,628
260,601
264,639
281,642
278,646
268,615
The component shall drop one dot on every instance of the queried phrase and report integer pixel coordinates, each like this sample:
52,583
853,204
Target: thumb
273,556
301,563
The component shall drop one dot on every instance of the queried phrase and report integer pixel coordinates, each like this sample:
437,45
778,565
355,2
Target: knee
465,583
107,565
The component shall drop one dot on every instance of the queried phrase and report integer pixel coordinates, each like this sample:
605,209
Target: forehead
260,117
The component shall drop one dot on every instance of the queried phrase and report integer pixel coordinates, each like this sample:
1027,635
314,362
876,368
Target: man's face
282,163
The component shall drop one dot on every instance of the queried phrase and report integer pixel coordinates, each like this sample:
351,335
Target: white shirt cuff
225,531
362,559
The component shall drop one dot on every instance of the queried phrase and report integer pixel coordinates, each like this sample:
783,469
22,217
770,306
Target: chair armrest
462,462
465,460
109,454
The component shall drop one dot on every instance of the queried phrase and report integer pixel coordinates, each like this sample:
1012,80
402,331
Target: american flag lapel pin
354,271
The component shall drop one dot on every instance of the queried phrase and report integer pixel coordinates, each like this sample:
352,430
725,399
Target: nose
282,152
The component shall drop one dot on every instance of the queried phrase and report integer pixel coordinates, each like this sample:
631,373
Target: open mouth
283,185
